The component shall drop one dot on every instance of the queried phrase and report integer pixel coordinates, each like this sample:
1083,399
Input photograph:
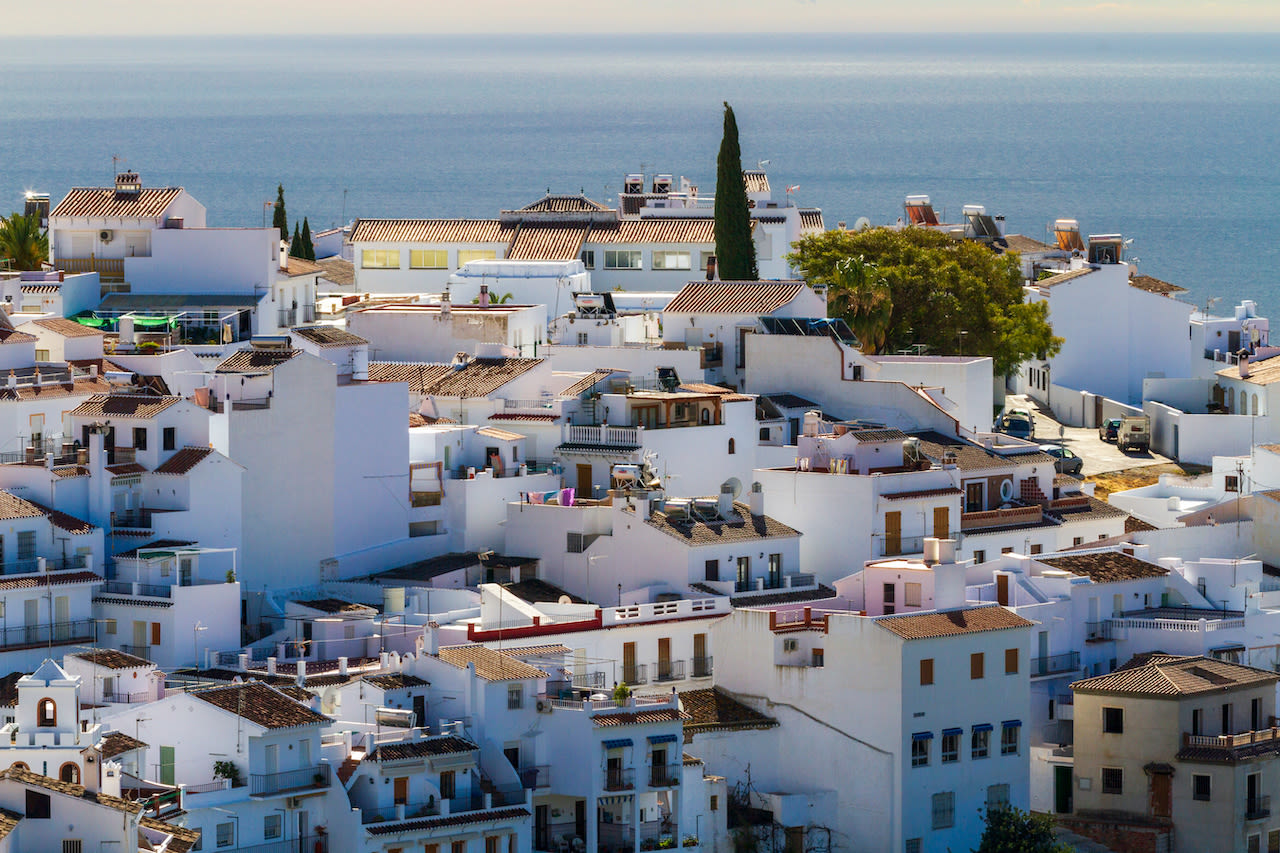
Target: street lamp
195,640
960,336
590,560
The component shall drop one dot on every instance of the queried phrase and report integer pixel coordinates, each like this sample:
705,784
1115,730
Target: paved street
1098,455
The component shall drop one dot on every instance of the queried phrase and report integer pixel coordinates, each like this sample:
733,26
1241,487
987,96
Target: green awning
153,322
91,321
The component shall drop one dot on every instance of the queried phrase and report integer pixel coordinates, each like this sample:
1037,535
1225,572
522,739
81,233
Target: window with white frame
944,810
225,834
465,256
588,257
981,741
1009,738
428,259
951,746
671,260
271,826
376,259
920,749
622,259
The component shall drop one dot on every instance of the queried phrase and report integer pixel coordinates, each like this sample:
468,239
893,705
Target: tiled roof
419,374
65,521
1026,245
947,623
41,288
741,526
300,266
71,789
921,493
113,659
546,650
429,231
1106,566
535,590
1169,675
296,693
792,401
184,460
876,435
588,382
1151,284
105,201
523,416
55,579
123,406
396,681
675,230
1262,372
499,434
734,297
115,743
256,360
260,704
970,456
12,506
157,545
1133,524
1063,277
449,745
490,665
706,388
8,822
538,242
811,218
125,469
83,386
463,819
328,336
336,605
638,718
67,328
791,596
480,377
63,471
9,689
13,336
755,181
182,839
555,203
339,271
713,709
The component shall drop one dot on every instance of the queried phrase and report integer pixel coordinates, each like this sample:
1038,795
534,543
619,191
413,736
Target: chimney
110,778
841,225
1244,367
446,304
725,504
948,578
930,551
284,256
484,296
433,638
755,499
99,482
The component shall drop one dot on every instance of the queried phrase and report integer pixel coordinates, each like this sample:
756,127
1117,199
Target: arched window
1255,404
70,772
1231,399
46,712
731,447
706,416
20,765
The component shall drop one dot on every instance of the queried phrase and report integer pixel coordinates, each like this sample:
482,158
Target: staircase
349,765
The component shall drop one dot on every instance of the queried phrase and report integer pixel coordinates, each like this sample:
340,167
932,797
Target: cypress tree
280,218
295,245
308,248
735,253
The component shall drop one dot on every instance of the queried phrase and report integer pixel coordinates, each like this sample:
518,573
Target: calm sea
1171,140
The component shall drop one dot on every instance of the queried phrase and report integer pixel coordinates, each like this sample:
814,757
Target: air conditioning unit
790,645
544,706
106,235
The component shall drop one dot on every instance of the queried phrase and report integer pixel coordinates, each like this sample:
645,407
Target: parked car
1109,430
1017,426
1023,413
1135,433
1064,461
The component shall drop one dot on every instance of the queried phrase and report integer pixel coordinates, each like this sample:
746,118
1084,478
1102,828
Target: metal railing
121,698
535,776
664,775
401,811
1098,630
1257,807
668,670
712,355
702,667
635,674
209,787
32,565
131,588
60,633
310,844
316,776
1054,664
589,681
143,652
619,779
137,518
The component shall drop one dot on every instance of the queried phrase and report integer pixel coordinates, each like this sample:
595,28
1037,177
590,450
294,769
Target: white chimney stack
948,577
1244,367
284,256
725,505
484,296
755,499
446,304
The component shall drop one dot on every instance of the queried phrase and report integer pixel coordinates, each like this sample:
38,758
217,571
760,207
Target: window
976,665
588,257
155,633
926,671
1037,549
1273,841
671,260
225,834
1197,721
140,438
816,657
514,696
1078,540
1113,721
997,796
913,845
109,626
271,826
1009,738
458,847
744,573
713,570
1008,549
1112,780
72,845
491,844
979,556
26,544
890,595
1200,787
466,255
980,745
41,354
715,802
912,595
170,438
1227,719
427,259
920,749
704,260
1255,715
583,338
70,772
38,805
1233,483
448,785
775,571
944,810
1010,661
950,746
47,712
731,447
376,259
622,259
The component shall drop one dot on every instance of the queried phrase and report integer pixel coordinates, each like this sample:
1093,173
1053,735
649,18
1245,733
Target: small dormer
49,701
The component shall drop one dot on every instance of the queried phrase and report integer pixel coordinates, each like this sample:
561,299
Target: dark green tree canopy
308,248
23,244
295,245
279,217
1011,830
954,296
735,253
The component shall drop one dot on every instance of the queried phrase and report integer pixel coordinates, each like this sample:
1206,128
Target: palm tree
863,300
23,245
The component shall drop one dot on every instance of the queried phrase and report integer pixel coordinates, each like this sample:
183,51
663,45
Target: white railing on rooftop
637,613
603,434
1184,625
533,405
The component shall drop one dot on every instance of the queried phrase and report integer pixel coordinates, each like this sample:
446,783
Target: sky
618,17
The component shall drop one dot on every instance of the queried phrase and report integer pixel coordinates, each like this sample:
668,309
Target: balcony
1257,808
1232,742
1018,516
702,667
310,844
664,775
668,670
712,355
108,269
269,784
535,776
603,436
57,633
33,565
1098,632
1055,664
137,651
146,590
619,779
590,681
635,674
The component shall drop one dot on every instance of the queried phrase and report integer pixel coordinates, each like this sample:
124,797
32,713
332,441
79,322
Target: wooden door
1002,590
664,658
701,664
892,534
941,522
584,481
629,663
1161,795
401,792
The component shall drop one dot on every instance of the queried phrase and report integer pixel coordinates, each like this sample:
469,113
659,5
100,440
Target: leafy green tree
735,252
954,296
296,249
279,217
308,248
22,242
1011,830
862,298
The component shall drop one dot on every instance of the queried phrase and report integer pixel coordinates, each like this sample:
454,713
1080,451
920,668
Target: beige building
1177,753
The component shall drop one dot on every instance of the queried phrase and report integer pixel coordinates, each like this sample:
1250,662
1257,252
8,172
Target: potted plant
690,841
229,771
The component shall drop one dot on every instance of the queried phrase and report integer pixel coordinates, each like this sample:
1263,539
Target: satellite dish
862,223
734,484
564,599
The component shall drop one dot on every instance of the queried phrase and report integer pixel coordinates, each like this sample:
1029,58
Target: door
701,664
271,758
61,617
31,618
743,581
1042,652
541,838
304,829
664,658
1097,411
1002,590
140,638
184,572
975,496
584,481
941,522
892,533
420,710
1062,790
580,818
629,663
167,765
1161,794
401,790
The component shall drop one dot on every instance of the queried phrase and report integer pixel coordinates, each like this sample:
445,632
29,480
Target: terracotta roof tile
328,336
105,201
755,181
50,579
256,360
557,203
123,406
1151,284
464,819
811,219
67,328
182,839
396,681
12,506
970,456
9,689
921,493
499,434
13,336
545,650
741,526
335,605
8,822
713,709
655,230
429,231
337,270
1027,245
184,460
65,521
260,704
792,401
1106,566
947,623
490,665
115,743
1169,675
419,374
1063,277
71,789
447,745
734,297
521,416
538,242
592,381
300,266
81,387
126,469
639,718
113,659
